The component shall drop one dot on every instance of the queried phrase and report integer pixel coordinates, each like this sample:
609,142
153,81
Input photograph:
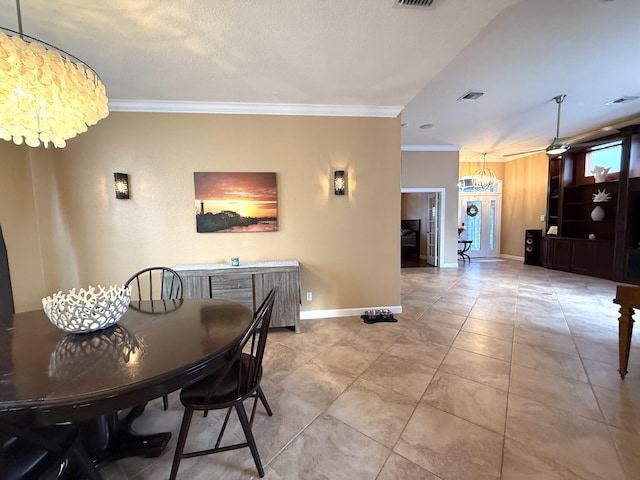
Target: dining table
102,380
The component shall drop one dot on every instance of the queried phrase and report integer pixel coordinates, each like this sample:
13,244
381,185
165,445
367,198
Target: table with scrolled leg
463,248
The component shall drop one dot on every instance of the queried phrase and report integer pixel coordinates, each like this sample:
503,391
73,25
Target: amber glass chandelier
46,94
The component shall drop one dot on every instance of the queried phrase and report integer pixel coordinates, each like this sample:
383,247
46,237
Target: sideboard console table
248,284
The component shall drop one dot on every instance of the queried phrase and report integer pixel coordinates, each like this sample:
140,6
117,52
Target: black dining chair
228,388
156,283
44,452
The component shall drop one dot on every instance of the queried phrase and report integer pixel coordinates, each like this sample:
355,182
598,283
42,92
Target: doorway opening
479,216
426,205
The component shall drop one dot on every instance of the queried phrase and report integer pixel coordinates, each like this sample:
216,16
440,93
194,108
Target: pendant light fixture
46,94
484,179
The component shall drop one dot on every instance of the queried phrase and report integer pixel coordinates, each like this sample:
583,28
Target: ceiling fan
557,146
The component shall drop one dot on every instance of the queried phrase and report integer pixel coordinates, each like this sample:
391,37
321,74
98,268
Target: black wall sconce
121,182
340,182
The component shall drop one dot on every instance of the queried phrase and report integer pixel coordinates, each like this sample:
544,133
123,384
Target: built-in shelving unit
609,248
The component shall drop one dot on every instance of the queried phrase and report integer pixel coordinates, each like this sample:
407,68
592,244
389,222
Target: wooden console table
248,284
628,298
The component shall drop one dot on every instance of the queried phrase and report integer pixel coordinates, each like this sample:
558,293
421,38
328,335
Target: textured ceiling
362,57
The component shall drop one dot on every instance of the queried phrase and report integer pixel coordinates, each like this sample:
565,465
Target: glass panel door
432,229
480,214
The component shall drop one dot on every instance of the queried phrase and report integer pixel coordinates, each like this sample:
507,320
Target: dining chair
228,388
33,453
156,283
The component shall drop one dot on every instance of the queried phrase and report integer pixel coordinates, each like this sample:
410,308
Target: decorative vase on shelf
597,214
600,173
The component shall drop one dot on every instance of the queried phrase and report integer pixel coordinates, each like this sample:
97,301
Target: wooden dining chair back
33,453
155,283
235,381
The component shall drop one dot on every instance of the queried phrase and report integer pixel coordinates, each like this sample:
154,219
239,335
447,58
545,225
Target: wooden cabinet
248,284
607,248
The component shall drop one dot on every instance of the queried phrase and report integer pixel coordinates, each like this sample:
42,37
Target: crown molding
430,148
160,106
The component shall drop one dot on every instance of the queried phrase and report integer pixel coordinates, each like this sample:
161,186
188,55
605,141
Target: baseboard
344,312
450,265
512,257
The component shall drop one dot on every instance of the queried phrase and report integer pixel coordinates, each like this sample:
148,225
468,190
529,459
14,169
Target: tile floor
497,370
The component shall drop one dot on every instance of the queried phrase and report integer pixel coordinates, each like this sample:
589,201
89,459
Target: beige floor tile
620,408
581,445
426,353
450,319
549,361
489,346
491,315
433,332
480,368
407,377
344,358
606,351
280,360
447,306
330,450
480,404
560,392
450,447
521,463
628,445
490,329
551,341
378,412
398,467
316,384
606,375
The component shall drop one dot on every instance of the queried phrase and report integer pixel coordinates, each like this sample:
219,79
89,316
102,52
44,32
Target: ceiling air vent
470,96
625,99
414,3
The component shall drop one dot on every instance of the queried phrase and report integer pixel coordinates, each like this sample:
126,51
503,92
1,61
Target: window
605,155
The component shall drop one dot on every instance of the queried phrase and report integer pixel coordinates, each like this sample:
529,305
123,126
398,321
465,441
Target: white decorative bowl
87,310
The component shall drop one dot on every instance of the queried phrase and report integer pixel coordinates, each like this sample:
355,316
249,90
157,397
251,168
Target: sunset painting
235,202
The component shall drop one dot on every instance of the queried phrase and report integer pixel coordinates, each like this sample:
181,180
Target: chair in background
235,381
32,453
156,283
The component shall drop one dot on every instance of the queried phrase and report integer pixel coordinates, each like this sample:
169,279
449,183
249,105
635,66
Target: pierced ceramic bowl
87,310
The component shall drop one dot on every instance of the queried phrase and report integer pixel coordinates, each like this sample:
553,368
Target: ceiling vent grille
470,96
625,99
414,3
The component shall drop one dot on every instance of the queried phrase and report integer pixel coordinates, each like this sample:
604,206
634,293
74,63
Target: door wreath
472,210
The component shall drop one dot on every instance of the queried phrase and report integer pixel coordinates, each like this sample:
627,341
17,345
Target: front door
480,213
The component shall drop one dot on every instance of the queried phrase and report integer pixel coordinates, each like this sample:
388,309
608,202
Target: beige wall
524,199
89,237
19,225
437,170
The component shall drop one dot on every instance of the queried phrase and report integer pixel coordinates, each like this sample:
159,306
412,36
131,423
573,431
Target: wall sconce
340,182
121,182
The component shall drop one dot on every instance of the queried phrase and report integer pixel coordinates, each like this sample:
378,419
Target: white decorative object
87,310
600,173
601,196
597,214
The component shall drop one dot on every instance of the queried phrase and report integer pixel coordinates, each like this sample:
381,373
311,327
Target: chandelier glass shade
484,179
43,96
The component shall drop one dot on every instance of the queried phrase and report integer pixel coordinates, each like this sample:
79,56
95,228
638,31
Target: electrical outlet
542,218
309,296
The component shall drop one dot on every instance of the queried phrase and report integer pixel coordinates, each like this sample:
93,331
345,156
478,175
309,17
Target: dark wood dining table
48,376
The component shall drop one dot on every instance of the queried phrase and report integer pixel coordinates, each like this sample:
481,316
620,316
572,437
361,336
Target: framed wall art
236,202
